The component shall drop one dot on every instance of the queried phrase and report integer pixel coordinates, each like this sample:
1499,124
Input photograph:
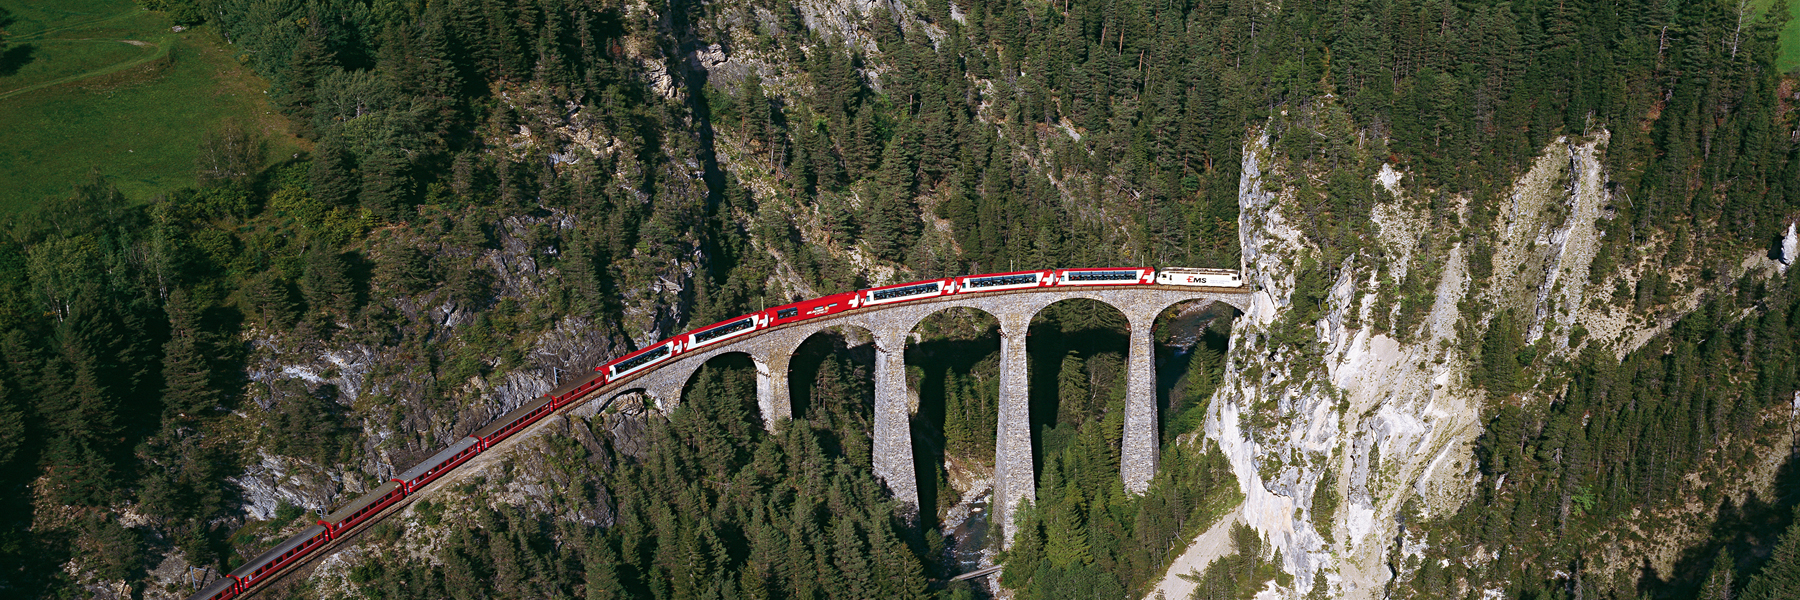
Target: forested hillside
501,192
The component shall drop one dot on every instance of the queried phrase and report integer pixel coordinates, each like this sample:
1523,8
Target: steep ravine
1394,414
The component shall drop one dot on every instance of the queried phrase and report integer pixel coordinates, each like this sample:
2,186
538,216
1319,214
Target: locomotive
346,518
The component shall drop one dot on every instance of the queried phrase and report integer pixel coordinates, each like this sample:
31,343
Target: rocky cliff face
1385,418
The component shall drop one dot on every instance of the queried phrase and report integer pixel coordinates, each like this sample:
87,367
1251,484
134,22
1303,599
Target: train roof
699,330
659,343
507,419
299,539
939,280
720,323
437,459
375,495
838,297
1200,270
213,589
981,275
570,386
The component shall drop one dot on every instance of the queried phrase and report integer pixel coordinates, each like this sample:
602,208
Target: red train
347,517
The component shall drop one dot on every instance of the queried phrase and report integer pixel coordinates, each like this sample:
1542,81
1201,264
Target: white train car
1200,277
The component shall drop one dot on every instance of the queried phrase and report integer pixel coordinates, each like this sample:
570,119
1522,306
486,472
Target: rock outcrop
1393,413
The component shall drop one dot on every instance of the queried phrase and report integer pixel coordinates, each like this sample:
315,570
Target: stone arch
807,354
1189,330
726,353
1105,326
972,336
1086,330
615,395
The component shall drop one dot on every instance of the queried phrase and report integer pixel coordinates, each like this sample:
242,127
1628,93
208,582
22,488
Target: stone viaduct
891,325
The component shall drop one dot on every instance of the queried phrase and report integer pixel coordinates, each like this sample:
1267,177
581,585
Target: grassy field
1790,40
103,84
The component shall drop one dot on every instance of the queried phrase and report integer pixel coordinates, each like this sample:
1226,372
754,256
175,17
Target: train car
905,292
279,557
1118,276
569,392
440,463
995,282
1199,277
808,309
223,588
724,330
510,423
642,359
349,515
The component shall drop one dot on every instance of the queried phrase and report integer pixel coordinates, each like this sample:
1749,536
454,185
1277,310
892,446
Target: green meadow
103,85
1790,40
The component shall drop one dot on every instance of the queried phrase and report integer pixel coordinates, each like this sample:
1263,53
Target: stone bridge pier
1015,479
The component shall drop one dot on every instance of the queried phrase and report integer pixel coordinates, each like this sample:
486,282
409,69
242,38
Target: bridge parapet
1015,478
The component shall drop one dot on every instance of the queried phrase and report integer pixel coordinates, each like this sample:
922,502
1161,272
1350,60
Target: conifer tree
333,177
325,283
1780,576
755,106
1072,386
386,186
311,61
187,378
1718,581
1022,560
12,428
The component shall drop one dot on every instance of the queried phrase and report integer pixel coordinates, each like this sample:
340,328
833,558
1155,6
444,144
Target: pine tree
325,284
333,175
311,61
12,428
862,147
755,108
1780,576
1718,581
187,379
1072,388
386,186
1065,535
271,300
850,556
1027,553
1500,370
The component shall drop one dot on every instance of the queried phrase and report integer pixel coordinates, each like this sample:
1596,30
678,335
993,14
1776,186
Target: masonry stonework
1014,479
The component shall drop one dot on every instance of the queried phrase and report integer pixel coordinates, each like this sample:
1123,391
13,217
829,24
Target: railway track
297,572
277,568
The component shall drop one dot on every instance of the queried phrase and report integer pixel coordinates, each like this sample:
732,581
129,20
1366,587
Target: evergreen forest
494,194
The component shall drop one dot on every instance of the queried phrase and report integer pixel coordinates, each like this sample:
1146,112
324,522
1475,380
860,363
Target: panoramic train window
911,290
640,359
1002,280
1103,276
716,332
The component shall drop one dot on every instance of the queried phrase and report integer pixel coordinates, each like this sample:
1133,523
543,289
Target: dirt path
161,50
1213,543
